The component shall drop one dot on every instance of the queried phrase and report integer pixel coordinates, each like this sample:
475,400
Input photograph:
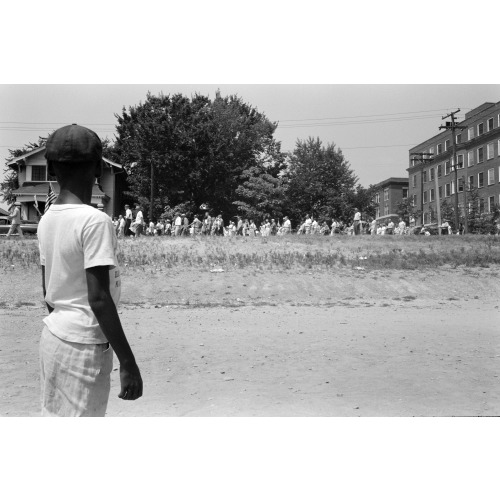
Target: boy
81,286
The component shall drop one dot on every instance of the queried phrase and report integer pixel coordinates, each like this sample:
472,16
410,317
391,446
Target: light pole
152,190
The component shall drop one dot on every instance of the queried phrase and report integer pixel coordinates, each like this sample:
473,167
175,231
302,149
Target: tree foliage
319,181
198,148
407,209
261,193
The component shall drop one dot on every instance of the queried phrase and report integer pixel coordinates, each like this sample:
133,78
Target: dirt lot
248,343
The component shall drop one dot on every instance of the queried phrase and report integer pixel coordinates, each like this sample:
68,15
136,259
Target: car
27,226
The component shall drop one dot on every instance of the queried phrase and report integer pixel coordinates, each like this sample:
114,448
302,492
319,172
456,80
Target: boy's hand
131,382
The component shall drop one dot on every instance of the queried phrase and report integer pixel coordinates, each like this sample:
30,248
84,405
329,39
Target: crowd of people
133,224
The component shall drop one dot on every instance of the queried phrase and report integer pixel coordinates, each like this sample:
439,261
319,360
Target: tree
261,193
363,199
197,149
407,209
319,181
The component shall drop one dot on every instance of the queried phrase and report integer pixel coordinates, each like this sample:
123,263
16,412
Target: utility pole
152,191
453,126
423,158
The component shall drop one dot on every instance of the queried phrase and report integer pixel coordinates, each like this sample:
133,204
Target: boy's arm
104,308
50,308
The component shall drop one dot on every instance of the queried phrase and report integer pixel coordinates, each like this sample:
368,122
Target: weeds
292,253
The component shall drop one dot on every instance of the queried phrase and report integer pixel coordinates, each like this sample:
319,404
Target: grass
290,253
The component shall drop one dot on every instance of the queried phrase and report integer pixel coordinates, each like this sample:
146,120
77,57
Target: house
432,172
34,183
388,194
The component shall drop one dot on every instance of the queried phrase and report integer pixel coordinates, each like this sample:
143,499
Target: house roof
12,163
41,189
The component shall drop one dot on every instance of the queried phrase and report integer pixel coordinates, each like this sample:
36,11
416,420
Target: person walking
15,218
178,225
128,221
357,222
139,221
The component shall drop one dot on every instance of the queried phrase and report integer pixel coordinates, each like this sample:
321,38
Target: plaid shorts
75,377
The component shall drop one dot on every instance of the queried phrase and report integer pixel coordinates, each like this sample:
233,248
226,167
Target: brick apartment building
478,164
388,194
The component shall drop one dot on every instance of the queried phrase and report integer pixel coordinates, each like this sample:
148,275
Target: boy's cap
73,144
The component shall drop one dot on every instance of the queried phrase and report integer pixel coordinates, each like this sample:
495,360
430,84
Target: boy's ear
98,169
50,169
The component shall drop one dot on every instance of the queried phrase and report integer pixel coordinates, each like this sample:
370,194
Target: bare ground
247,343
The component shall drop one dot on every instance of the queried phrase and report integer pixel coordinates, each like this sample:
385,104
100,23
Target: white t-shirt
73,238
357,216
128,214
139,218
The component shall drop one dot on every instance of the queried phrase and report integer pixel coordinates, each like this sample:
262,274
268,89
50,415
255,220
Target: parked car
27,226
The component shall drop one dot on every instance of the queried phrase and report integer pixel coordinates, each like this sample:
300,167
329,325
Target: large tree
198,149
320,182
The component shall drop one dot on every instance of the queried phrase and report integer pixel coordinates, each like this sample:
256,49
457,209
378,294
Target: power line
367,116
360,122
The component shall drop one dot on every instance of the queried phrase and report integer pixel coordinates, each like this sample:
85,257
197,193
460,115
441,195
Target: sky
373,124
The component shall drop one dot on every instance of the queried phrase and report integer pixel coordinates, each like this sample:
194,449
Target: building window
414,198
460,184
439,171
415,180
425,197
470,133
38,173
431,173
447,144
405,193
452,187
432,194
480,155
460,161
490,124
490,150
471,181
480,180
491,203
377,198
386,194
439,149
481,205
447,190
424,175
431,150
440,192
377,213
447,167
491,176
470,158
386,210
459,138
480,129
